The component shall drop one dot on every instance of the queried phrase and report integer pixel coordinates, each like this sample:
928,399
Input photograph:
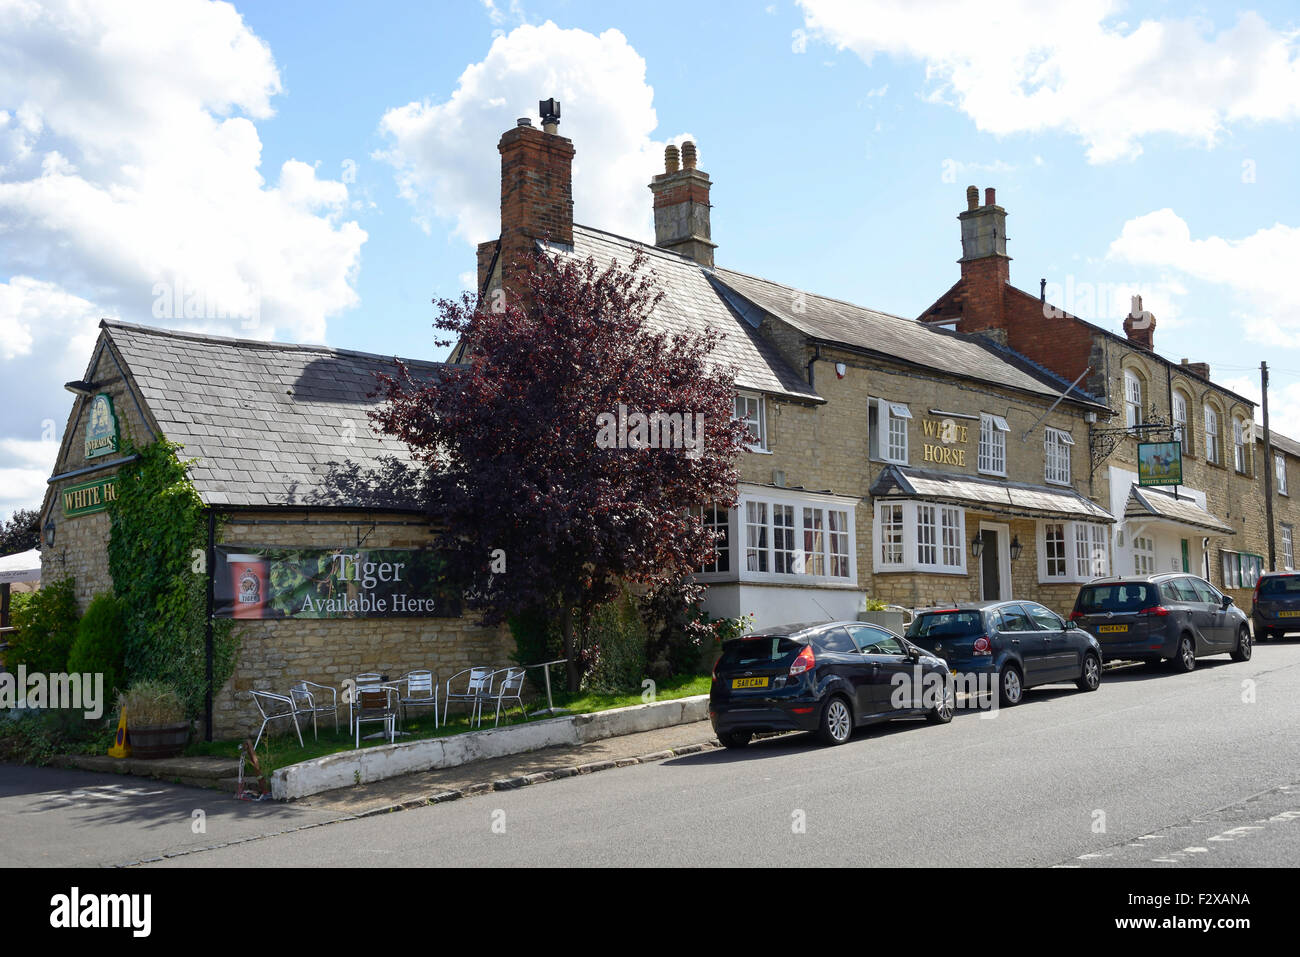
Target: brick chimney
1140,326
536,191
1201,369
985,265
681,204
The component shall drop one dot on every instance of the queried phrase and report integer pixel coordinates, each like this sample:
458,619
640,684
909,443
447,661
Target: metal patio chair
377,703
305,695
273,706
421,691
477,688
510,688
365,678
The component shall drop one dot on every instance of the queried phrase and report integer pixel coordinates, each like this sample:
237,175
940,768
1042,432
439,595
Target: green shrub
151,703
617,637
47,626
98,647
537,639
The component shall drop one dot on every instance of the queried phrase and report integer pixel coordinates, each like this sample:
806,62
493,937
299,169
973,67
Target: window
1144,556
1279,469
750,410
1239,445
1288,551
1045,618
789,538
718,521
1013,618
1181,432
920,536
887,426
993,444
1212,435
1132,399
1072,551
1241,569
1056,456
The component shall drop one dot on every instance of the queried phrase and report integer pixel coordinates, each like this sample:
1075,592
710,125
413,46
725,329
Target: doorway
995,562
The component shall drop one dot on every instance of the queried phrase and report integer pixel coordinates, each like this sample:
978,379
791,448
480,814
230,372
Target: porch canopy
988,495
23,567
1153,504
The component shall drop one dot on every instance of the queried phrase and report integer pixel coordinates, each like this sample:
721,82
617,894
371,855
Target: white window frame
933,538
755,416
1213,452
1240,569
718,520
1144,555
761,539
1179,415
890,439
1288,547
1239,445
1056,457
1133,399
1279,471
992,456
1085,552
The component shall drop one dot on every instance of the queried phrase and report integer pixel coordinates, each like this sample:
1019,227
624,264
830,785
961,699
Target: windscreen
1121,597
947,624
758,650
1283,586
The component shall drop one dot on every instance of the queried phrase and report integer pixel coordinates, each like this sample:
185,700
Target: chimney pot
523,121
990,197
549,110
972,197
681,206
688,155
670,159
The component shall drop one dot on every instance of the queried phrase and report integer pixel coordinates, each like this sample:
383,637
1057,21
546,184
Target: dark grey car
1175,617
1276,605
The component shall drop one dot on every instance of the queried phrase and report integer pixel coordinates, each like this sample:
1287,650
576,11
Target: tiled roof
1152,503
690,304
832,320
270,424
1280,442
1036,501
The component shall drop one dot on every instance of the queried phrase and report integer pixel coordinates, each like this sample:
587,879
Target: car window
1205,591
1117,597
1045,618
885,645
835,639
1180,589
758,650
1280,586
947,624
1013,618
865,636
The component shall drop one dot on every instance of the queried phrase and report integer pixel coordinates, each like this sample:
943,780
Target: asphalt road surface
1155,769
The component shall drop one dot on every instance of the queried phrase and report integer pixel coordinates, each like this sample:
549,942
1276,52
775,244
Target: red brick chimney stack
1140,326
681,206
985,265
536,191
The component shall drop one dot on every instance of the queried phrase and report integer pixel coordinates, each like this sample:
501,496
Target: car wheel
736,739
1242,652
1184,659
1011,687
837,721
941,713
1090,679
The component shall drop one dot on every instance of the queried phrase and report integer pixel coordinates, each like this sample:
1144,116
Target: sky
320,172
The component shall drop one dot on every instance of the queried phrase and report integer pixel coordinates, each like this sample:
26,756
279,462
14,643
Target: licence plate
1288,614
748,683
1112,629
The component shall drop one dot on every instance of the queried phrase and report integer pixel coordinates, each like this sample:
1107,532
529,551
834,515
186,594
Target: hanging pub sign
272,581
101,427
1160,463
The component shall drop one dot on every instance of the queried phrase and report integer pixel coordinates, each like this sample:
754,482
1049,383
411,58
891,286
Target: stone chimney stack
984,237
1201,369
536,191
1140,326
681,205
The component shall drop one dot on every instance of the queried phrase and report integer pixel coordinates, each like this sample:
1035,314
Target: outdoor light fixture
80,387
1016,548
49,533
977,546
841,370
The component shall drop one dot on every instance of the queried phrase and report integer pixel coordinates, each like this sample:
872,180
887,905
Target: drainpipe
811,376
207,700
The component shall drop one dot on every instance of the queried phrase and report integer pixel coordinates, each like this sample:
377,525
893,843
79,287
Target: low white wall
391,760
774,605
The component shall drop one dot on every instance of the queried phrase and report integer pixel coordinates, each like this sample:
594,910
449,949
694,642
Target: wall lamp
977,546
1016,548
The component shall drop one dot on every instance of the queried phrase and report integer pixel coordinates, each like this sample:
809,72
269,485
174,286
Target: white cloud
444,152
1027,66
1257,270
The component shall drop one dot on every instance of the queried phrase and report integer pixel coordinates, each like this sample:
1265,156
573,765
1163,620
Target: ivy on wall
157,556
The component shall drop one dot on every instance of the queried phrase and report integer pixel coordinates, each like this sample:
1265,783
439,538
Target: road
1154,769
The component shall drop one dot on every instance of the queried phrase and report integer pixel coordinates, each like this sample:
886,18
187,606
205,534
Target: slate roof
1280,442
271,424
1152,503
951,488
906,340
690,304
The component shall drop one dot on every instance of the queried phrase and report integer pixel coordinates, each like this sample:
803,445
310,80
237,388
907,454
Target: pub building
914,462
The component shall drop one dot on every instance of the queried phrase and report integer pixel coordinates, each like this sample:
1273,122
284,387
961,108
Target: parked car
1275,606
1150,618
1021,644
829,678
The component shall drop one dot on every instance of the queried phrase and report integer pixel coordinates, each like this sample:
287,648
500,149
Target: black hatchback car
1275,607
829,678
1020,644
1176,617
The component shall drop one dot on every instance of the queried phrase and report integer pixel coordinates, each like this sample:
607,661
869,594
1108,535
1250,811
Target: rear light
1158,610
803,662
983,646
1254,599
1075,615
715,668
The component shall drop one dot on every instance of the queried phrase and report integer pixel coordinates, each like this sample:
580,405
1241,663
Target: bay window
920,536
1072,551
783,537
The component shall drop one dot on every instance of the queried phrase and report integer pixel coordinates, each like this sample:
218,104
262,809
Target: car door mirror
913,653
1071,625
1227,600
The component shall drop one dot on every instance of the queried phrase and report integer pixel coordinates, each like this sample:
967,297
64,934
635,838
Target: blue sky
329,166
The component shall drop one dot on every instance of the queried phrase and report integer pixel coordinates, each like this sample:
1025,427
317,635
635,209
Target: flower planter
160,741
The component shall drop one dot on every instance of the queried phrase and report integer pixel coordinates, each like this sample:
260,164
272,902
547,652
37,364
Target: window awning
988,495
1153,504
898,410
999,422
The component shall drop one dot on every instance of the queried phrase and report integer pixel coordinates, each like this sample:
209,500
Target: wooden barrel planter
160,741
